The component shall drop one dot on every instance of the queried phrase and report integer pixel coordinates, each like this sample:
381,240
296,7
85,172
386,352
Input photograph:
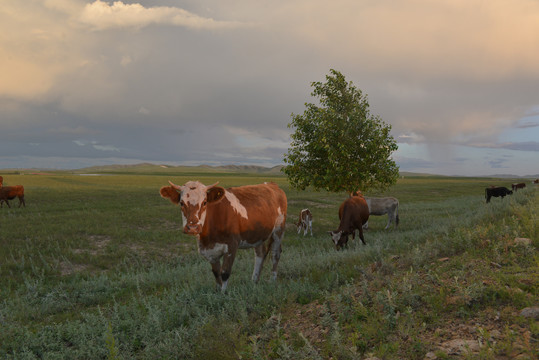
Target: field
97,267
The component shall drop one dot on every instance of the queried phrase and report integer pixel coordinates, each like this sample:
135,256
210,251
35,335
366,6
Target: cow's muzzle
192,229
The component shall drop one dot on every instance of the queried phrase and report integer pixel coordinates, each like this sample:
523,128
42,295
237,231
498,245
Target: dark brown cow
305,222
10,193
353,213
497,192
225,220
536,181
515,186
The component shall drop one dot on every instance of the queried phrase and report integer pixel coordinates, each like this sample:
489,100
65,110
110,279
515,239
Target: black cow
496,192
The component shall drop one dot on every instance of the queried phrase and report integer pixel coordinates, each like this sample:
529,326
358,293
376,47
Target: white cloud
105,147
101,15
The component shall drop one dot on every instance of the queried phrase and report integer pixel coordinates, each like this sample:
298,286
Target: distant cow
353,213
536,181
225,220
496,192
382,206
515,187
305,222
10,193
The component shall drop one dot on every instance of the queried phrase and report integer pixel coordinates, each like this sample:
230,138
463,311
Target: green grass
97,267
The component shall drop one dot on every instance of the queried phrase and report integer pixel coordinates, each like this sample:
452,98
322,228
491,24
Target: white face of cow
335,236
193,202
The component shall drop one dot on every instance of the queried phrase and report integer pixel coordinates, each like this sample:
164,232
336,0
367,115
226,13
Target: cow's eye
182,204
205,203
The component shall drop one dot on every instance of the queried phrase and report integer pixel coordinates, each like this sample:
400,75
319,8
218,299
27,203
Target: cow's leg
305,228
21,200
390,215
276,251
226,268
311,226
361,236
216,270
260,256
299,228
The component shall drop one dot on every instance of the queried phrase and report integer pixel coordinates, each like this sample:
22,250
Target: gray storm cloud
145,78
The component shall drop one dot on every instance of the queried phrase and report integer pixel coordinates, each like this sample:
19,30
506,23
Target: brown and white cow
10,193
305,222
225,220
382,206
517,186
353,213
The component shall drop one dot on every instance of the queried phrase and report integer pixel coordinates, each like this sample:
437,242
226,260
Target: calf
382,206
305,222
497,192
10,193
225,220
515,187
353,213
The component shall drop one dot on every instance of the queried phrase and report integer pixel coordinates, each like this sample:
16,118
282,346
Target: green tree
338,145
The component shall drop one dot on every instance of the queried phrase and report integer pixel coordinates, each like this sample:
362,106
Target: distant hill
150,168
164,168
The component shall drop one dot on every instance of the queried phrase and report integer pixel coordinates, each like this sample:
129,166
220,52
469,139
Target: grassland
97,267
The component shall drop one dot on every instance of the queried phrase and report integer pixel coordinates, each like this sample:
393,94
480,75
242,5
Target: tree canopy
338,145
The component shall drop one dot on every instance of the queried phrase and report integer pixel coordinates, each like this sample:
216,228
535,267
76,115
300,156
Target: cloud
527,125
413,164
410,138
101,15
95,144
519,146
213,80
69,130
498,163
105,147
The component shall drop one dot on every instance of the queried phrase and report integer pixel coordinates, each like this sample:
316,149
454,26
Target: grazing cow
496,192
10,193
515,186
225,220
353,213
536,181
382,206
305,222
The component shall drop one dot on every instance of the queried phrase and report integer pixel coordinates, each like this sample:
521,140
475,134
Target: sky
91,82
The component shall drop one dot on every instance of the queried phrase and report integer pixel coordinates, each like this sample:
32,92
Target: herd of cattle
253,216
11,192
501,191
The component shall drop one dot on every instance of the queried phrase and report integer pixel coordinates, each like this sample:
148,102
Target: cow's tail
397,217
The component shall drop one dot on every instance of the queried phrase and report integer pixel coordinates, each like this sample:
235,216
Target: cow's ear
215,194
168,192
